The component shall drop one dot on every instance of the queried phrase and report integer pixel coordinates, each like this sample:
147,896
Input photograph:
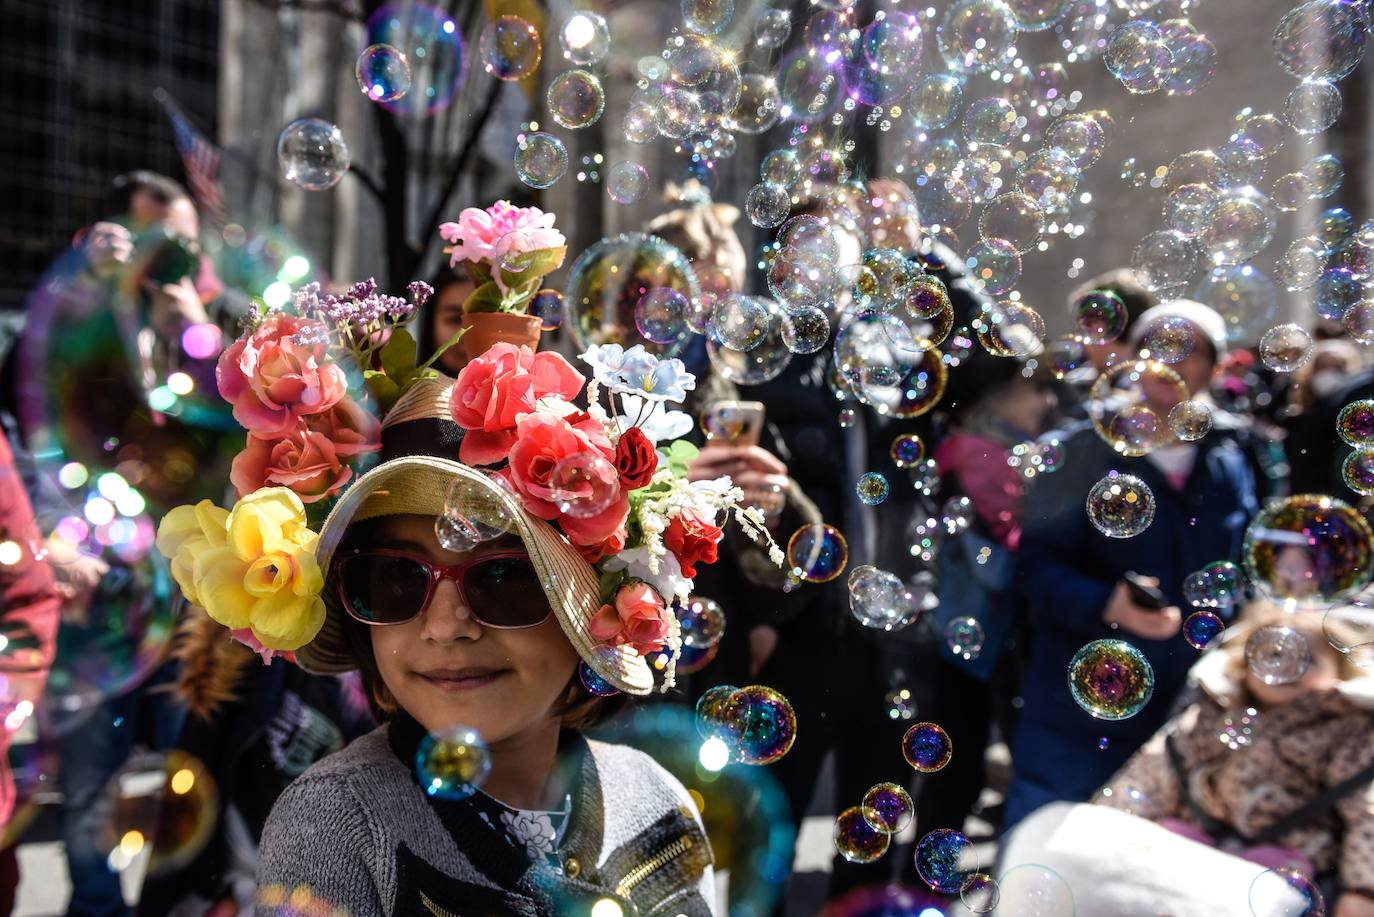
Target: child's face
1323,674
446,669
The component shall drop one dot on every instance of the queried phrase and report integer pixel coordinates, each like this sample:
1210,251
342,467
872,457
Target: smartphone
734,423
1144,594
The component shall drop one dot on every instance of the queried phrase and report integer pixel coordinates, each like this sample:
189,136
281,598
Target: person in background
1122,283
442,317
1298,795
29,609
1316,394
1071,576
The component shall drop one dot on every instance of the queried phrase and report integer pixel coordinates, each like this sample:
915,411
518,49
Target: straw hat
419,468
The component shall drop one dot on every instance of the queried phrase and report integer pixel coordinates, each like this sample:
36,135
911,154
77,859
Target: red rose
635,459
638,618
692,541
542,443
501,384
612,544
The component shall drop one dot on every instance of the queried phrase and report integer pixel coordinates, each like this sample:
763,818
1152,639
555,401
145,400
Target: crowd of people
1021,558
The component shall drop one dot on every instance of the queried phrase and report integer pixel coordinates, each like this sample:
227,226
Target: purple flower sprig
361,319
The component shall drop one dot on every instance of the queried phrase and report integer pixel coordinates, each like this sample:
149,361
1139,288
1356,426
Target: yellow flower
252,567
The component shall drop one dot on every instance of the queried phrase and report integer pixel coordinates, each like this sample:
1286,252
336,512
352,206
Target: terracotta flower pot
487,328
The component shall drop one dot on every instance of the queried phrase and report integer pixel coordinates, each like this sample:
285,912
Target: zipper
433,908
641,872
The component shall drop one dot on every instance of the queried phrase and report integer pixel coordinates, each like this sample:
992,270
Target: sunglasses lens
382,589
505,592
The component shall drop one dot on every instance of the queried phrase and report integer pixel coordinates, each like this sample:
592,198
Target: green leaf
425,366
532,266
486,298
383,388
398,355
477,272
610,582
680,455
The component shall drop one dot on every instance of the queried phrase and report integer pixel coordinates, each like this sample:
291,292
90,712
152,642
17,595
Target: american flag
201,159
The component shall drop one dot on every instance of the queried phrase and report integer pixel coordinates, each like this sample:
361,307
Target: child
1279,774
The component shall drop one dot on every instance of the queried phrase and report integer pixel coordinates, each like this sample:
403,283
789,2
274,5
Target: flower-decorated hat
520,443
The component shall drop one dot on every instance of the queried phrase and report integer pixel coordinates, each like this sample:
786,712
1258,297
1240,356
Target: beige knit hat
418,472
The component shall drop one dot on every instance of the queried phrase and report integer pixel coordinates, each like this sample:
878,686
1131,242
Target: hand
172,304
108,245
763,642
759,473
76,574
1122,611
1350,904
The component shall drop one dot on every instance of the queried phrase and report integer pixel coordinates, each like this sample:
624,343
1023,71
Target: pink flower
541,442
350,427
278,374
501,384
500,230
638,618
304,461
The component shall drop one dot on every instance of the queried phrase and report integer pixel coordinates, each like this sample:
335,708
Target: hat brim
419,485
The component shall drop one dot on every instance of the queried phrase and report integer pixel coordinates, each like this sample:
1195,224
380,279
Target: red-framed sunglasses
391,586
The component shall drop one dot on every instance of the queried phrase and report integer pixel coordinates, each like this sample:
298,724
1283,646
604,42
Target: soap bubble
772,28
1308,549
927,748
1291,191
888,807
1201,628
1010,328
1358,471
452,763
595,684
759,106
1129,405
382,72
547,306
935,101
1243,162
907,450
767,204
1164,259
780,167
802,271
964,637
739,322
817,553
1285,347
1287,892
886,63
1337,291
1355,423
1324,174
161,805
608,280
1121,505
575,99
1137,56
1350,630
1189,209
1193,65
1036,15
994,265
980,893
1190,420
810,86
1312,106
1321,39
1079,136
767,726
702,622
1265,133
626,182
1032,890
585,37
1302,263
871,488
433,47
661,315
881,600
1100,317
806,330
1169,340
1243,295
707,17
1111,679
1277,655
766,357
312,154
943,859
1242,224
856,839
583,485
977,35
510,48
1015,218
540,159
991,120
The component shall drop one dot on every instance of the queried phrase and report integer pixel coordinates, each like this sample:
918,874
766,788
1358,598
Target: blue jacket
1067,569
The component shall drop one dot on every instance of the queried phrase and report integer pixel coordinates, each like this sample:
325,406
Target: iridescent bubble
1100,316
810,87
817,553
626,182
1312,106
1242,225
907,450
888,807
383,73
1032,890
766,357
1036,15
1225,581
806,330
943,860
1047,175
720,713
608,280
927,748
1081,137
977,35
935,101
1130,403
1335,226
1111,679
594,683
856,839
1065,355
885,64
452,763
661,315
510,48
768,726
1014,218
759,106
1308,549
946,203
1194,61
540,159
1359,322
1277,655
1265,133
312,154
1199,167
1243,295
1302,263
161,808
707,17
702,622
1243,161
1358,471
1168,340
547,306
964,637
1321,39
772,28
994,265
1324,175
781,167
1189,209
583,484
1137,56
980,893
1121,505
1190,420
739,322
585,37
576,99
990,120
767,204
1288,892
881,600
1355,424
1164,259
1337,291
871,488
1202,627
802,272
1285,347
1009,328
1291,191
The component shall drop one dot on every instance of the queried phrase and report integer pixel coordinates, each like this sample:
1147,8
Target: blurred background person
442,318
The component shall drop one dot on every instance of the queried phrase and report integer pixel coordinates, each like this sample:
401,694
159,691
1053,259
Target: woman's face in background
447,316
445,668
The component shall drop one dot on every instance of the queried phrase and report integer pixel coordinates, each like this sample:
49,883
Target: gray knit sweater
360,834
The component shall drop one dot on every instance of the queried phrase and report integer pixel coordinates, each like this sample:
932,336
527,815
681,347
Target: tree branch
431,224
367,181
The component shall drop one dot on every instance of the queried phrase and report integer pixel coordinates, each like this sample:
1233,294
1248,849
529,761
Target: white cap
1206,320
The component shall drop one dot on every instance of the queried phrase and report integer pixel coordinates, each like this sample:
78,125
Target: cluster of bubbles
753,725
863,833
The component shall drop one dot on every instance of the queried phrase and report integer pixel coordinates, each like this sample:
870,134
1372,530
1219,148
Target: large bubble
977,35
608,280
1323,39
1130,403
431,43
1111,679
1309,549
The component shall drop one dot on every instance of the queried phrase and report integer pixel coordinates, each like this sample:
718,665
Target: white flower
661,572
657,422
638,372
